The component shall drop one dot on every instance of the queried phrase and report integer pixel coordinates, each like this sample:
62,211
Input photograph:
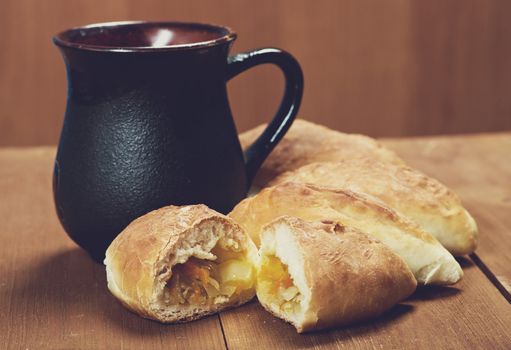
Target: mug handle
277,128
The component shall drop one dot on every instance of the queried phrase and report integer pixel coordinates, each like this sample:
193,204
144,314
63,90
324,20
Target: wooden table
53,296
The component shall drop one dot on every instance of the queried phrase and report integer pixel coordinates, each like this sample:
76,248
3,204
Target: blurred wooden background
385,68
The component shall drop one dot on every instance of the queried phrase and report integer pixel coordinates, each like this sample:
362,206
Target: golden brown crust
423,199
139,257
427,259
306,142
351,276
314,203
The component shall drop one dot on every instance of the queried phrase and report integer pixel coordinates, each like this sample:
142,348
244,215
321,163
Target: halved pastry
429,261
421,198
306,142
320,275
177,264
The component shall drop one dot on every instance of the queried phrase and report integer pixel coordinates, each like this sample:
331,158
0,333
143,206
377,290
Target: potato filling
276,285
202,282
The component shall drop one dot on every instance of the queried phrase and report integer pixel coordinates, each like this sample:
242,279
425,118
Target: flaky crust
423,199
138,258
351,276
428,260
306,142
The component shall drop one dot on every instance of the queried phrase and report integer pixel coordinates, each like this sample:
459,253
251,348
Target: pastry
306,142
320,275
178,264
429,261
423,199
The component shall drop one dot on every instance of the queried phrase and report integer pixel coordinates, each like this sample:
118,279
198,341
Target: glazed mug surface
148,124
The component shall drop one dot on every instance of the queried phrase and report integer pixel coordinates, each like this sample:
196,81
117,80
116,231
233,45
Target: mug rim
62,39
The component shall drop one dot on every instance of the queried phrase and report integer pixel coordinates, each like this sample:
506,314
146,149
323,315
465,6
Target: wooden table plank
51,294
478,168
471,315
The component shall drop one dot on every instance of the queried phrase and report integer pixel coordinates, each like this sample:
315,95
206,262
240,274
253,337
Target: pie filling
276,286
207,282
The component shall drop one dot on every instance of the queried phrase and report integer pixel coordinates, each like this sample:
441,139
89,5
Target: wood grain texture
478,168
51,293
385,68
53,296
470,315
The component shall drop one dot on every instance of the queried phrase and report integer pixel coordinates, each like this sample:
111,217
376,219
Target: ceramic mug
148,124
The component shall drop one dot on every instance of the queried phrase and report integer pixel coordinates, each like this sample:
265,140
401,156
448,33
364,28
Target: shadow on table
430,292
424,293
68,287
282,335
386,319
465,263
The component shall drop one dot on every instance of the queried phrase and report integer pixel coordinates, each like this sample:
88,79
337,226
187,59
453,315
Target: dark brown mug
148,124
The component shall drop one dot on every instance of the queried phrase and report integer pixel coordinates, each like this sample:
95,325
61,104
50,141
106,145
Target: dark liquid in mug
145,35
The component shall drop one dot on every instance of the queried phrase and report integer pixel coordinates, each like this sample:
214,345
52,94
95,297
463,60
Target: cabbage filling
207,282
275,285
